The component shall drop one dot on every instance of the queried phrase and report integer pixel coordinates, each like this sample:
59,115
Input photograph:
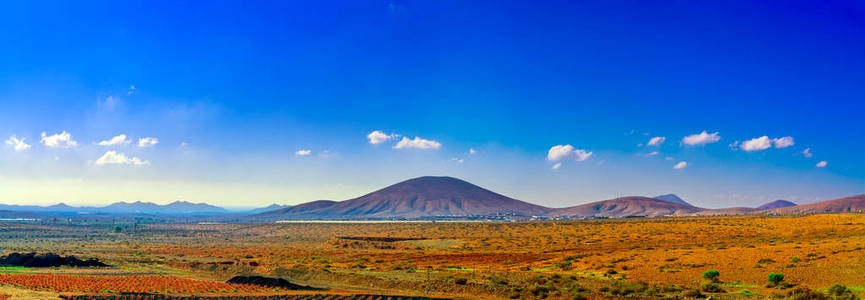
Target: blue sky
232,91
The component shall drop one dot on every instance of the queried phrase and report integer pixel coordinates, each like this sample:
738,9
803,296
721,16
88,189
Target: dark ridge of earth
271,282
47,260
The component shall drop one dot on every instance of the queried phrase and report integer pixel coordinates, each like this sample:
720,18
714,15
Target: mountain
627,206
848,204
419,197
184,207
271,207
310,210
776,204
672,198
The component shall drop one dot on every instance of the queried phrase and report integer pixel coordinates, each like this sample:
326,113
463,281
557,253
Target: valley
645,257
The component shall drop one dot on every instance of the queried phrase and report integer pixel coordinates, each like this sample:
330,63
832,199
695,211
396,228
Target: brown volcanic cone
419,197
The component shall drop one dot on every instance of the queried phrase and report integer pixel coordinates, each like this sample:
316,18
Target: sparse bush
804,293
839,290
496,280
461,280
712,275
795,259
710,287
693,294
765,261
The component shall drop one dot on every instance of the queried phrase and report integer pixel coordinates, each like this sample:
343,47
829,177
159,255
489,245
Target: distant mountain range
439,197
174,208
450,197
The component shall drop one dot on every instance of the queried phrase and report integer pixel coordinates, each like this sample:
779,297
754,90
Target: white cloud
764,142
378,137
807,153
701,139
821,164
117,140
60,140
681,165
557,166
783,142
472,151
17,144
653,153
756,144
112,157
669,158
458,160
131,90
559,152
656,141
303,152
418,143
148,142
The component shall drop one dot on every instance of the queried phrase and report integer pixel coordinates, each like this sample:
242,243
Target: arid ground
636,257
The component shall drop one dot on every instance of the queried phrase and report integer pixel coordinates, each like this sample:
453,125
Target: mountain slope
627,206
848,204
776,204
271,207
419,197
672,198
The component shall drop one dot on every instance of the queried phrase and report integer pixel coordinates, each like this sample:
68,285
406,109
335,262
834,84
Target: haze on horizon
555,103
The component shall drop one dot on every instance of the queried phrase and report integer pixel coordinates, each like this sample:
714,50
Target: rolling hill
414,198
776,204
627,206
848,204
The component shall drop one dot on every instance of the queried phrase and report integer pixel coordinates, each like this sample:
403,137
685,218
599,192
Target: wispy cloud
472,151
17,144
59,140
701,139
556,166
807,153
303,152
783,142
117,140
681,165
113,157
656,141
417,143
147,142
822,164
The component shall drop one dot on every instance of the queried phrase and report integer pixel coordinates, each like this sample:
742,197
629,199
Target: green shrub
710,287
796,259
776,278
712,275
